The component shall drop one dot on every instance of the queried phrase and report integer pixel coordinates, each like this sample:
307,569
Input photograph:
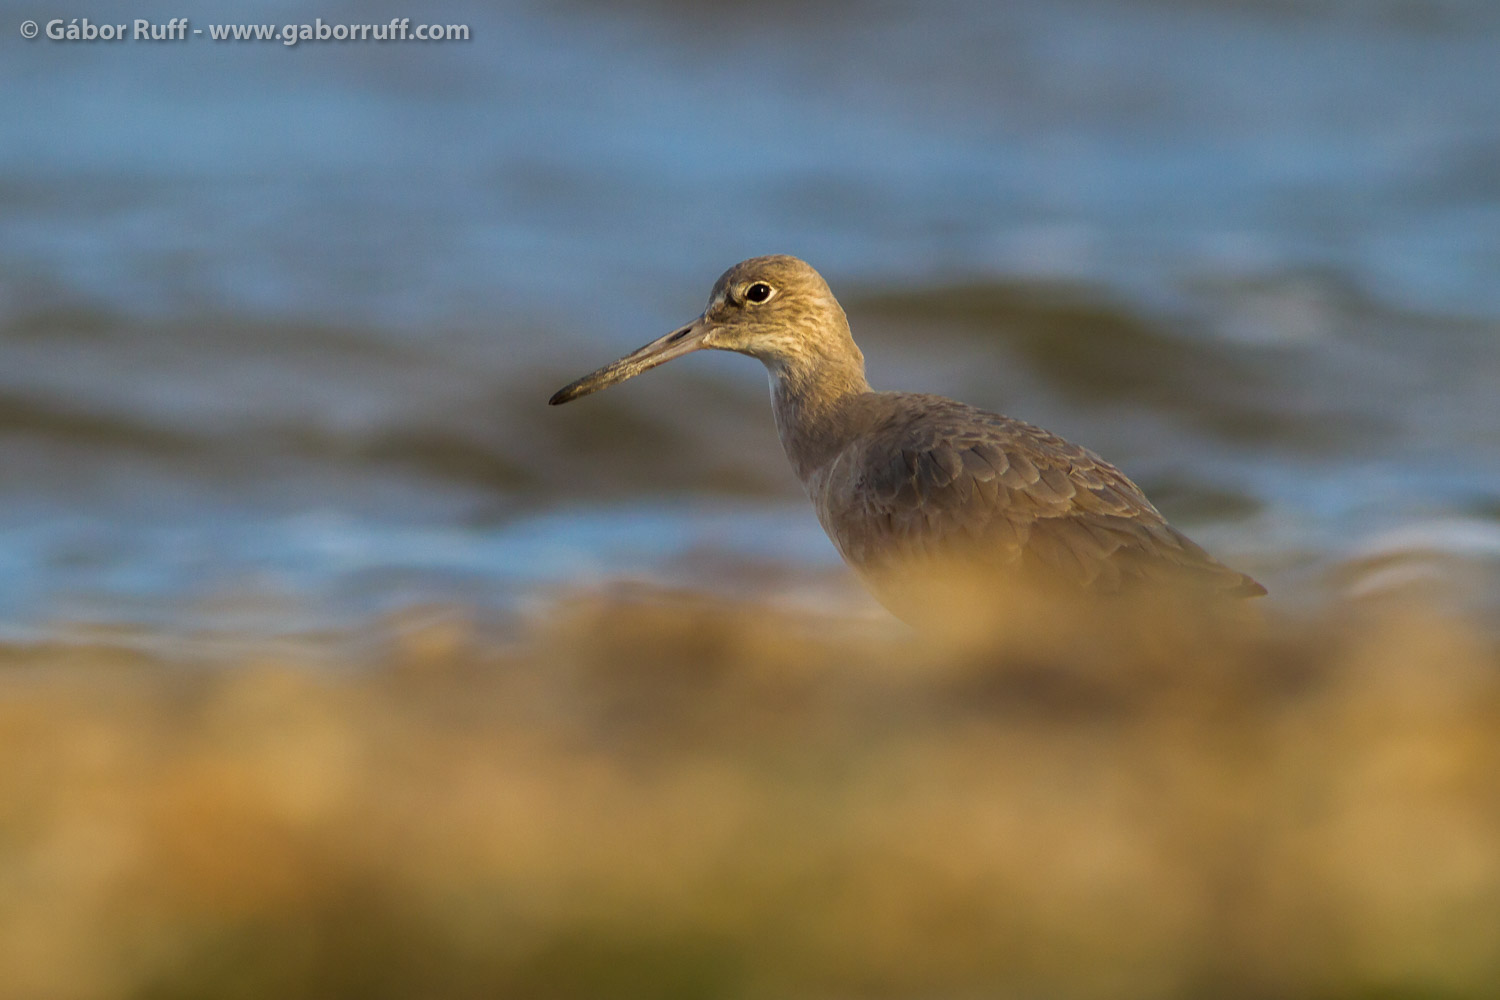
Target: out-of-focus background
334,663
278,323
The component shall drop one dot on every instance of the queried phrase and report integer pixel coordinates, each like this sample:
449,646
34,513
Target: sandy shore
652,797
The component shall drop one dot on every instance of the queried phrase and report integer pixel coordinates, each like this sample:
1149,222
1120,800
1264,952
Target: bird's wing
942,480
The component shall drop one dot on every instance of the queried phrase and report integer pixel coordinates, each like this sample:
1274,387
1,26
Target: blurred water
263,306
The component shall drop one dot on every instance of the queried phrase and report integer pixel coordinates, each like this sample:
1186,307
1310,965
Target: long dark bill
658,352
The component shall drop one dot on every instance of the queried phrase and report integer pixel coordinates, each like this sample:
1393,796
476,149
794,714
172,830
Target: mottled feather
934,479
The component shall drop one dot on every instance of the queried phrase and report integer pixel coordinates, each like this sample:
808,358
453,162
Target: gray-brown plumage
909,485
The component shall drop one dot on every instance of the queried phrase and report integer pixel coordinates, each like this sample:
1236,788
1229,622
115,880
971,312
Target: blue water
264,307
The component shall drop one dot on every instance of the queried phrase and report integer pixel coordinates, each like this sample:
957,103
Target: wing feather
934,478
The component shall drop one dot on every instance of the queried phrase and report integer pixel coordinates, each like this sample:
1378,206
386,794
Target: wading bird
916,489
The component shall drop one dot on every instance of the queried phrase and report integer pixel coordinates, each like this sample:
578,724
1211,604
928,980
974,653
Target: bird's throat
809,399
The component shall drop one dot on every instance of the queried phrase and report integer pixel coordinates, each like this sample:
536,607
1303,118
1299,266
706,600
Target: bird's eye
758,292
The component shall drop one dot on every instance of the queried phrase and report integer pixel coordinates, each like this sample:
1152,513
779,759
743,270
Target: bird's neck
810,396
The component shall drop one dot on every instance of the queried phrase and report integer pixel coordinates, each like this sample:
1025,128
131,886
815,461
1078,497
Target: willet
910,486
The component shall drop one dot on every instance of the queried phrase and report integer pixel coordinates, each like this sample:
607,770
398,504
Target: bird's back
927,483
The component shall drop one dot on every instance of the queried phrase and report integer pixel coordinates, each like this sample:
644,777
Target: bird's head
777,309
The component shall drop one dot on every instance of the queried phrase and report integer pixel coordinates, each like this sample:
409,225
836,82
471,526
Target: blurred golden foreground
651,796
